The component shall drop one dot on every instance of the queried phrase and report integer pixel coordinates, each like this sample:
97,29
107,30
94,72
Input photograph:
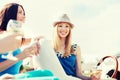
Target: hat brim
55,23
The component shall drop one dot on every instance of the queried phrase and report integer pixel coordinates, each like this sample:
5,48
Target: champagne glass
97,72
13,26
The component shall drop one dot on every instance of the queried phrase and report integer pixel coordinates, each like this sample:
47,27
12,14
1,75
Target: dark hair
9,13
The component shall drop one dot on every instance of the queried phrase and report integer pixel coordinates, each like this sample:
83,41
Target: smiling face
63,30
20,14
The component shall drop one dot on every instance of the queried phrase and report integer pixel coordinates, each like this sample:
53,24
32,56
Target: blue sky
97,26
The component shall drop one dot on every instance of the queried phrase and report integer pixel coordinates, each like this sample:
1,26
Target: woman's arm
79,69
7,40
27,52
78,65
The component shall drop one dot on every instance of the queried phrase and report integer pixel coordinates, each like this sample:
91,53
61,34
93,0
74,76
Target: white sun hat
63,18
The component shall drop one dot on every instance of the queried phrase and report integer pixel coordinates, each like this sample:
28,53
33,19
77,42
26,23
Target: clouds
99,27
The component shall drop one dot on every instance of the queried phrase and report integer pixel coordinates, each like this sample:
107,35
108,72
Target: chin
63,36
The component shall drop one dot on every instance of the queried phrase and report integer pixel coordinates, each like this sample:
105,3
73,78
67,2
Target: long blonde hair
56,42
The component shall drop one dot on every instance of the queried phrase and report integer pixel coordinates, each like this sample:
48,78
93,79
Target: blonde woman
68,54
62,57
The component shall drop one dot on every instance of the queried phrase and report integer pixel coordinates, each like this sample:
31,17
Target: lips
63,33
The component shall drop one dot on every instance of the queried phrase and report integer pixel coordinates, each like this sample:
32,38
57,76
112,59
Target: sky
97,26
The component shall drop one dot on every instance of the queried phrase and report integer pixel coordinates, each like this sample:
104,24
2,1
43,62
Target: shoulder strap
74,46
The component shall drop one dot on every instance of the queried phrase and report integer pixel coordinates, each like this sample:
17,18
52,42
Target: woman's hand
30,50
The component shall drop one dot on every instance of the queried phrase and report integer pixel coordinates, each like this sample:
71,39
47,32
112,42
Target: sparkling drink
14,26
